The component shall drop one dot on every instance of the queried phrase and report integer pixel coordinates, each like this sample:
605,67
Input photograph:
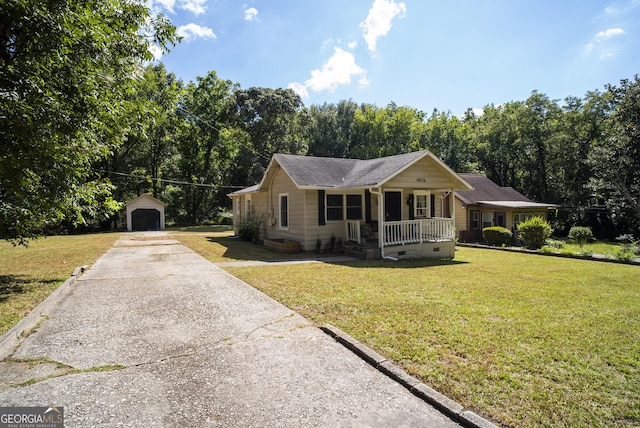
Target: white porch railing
353,231
418,231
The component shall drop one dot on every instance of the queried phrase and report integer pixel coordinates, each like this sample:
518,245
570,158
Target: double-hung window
335,208
487,220
421,207
475,219
354,207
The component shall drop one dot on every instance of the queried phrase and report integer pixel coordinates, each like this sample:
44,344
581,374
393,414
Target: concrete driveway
155,335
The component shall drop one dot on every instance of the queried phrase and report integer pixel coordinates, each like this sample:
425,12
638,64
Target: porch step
362,252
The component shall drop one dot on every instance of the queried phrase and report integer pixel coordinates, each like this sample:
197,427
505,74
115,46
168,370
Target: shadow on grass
209,228
12,285
237,249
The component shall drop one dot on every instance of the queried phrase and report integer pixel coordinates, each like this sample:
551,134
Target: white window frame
247,204
490,214
282,226
326,207
426,208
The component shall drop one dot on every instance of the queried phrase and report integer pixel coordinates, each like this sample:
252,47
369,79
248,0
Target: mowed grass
28,275
524,340
217,244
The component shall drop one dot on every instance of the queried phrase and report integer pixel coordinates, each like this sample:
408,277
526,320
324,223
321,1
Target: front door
392,206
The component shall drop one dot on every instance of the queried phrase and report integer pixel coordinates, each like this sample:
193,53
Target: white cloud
299,89
378,22
611,32
164,4
604,44
337,71
251,14
156,51
195,6
194,31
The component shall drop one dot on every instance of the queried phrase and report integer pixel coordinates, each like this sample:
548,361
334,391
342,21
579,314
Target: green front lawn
524,340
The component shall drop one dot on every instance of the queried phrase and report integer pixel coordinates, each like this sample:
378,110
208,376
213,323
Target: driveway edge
16,334
441,402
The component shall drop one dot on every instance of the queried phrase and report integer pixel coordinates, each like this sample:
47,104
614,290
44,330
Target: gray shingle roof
486,190
308,171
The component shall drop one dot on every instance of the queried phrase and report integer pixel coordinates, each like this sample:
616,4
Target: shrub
534,232
249,228
554,243
580,235
497,236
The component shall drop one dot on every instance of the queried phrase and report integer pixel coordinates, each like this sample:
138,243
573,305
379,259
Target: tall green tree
66,68
496,135
330,129
206,148
582,126
392,130
277,123
150,149
538,124
616,159
450,139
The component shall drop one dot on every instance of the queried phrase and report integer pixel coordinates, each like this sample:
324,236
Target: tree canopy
86,123
66,69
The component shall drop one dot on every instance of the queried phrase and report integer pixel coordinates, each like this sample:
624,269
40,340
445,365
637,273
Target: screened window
284,211
487,220
334,207
475,220
354,207
421,205
521,217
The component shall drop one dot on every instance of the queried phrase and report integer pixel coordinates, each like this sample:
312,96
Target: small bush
628,252
534,232
249,228
554,243
497,236
580,235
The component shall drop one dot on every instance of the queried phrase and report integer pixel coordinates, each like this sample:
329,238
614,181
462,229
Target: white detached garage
145,213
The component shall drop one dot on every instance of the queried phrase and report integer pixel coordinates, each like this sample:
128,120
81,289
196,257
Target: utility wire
164,180
215,128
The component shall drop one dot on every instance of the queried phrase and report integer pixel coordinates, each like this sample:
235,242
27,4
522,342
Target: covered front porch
428,236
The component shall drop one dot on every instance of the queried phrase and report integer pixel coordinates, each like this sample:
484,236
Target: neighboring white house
145,213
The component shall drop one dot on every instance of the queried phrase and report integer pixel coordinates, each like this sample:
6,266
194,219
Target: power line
164,180
215,128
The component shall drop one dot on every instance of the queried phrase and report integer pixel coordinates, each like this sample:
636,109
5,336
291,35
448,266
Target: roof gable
143,197
309,172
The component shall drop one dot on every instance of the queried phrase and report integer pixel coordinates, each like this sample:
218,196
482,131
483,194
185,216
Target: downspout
381,222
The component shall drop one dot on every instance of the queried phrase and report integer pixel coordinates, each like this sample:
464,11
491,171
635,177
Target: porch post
381,218
452,203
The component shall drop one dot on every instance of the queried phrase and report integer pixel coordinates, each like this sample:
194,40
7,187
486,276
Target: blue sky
450,55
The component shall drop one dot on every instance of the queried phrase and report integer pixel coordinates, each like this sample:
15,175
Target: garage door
145,219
